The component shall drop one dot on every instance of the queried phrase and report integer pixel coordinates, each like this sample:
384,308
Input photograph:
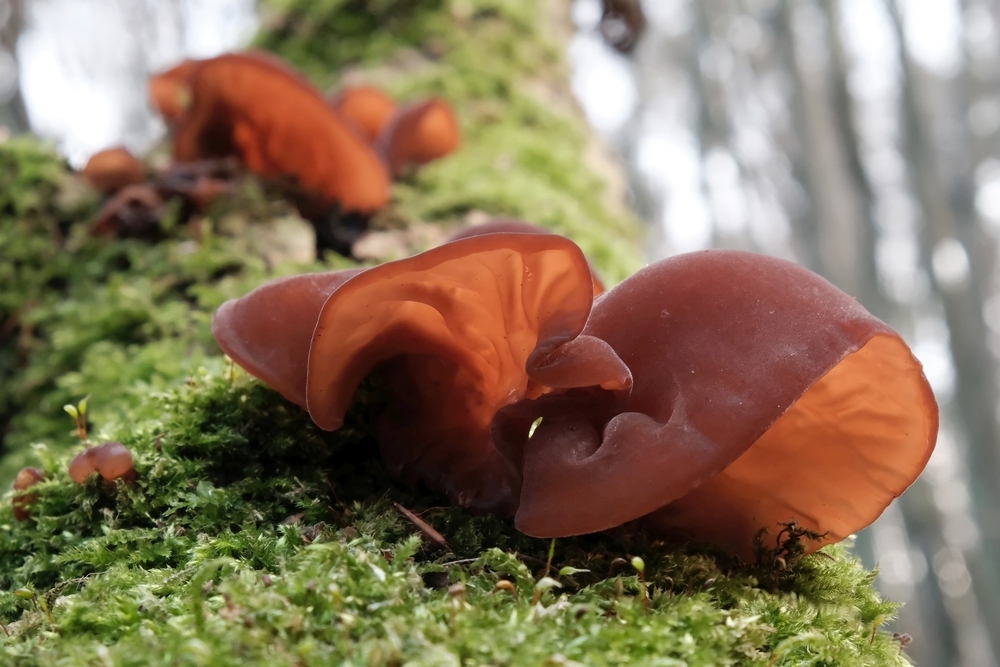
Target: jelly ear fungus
761,394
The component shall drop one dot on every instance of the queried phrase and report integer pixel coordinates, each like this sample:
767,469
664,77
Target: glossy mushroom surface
268,331
417,134
366,107
761,394
515,226
252,106
457,332
112,460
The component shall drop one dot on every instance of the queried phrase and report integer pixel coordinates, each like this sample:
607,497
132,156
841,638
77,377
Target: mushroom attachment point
26,478
135,212
417,134
112,169
112,460
761,395
457,333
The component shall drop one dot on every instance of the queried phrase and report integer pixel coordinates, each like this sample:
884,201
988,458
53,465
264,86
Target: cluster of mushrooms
335,158
714,396
111,460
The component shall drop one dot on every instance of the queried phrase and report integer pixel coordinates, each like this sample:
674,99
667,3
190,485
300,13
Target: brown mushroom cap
268,331
762,394
112,460
367,107
26,478
252,106
112,169
419,133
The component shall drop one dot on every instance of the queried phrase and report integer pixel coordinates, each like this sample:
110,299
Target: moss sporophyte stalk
249,536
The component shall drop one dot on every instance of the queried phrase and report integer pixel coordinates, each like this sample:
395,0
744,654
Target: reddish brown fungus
112,169
134,212
762,395
198,183
268,332
252,106
417,134
170,91
515,226
711,395
112,460
26,478
366,107
459,332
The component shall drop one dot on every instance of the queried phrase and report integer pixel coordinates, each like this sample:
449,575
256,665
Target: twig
424,527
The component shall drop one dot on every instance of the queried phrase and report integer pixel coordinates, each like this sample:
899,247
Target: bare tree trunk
975,367
13,114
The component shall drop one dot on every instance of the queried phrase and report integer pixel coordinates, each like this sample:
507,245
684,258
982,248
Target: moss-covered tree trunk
253,538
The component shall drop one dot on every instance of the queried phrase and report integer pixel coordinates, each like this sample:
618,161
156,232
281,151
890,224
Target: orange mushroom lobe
367,107
170,91
254,107
458,332
418,134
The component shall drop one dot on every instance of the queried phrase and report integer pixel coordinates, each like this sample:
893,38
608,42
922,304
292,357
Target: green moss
524,151
235,484
253,538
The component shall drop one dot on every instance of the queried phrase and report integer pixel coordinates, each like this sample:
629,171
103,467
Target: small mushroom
26,478
366,107
112,460
417,134
134,212
761,395
458,332
252,106
112,169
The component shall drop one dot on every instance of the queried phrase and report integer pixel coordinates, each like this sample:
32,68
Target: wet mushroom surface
761,395
112,460
457,332
716,396
252,106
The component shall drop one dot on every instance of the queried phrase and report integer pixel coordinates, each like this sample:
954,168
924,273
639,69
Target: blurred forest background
857,137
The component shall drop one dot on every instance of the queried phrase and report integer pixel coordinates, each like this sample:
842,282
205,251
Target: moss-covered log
253,538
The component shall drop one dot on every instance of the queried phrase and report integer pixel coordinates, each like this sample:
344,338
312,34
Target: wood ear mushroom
711,395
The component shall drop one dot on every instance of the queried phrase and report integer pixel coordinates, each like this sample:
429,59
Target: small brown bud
25,479
504,585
